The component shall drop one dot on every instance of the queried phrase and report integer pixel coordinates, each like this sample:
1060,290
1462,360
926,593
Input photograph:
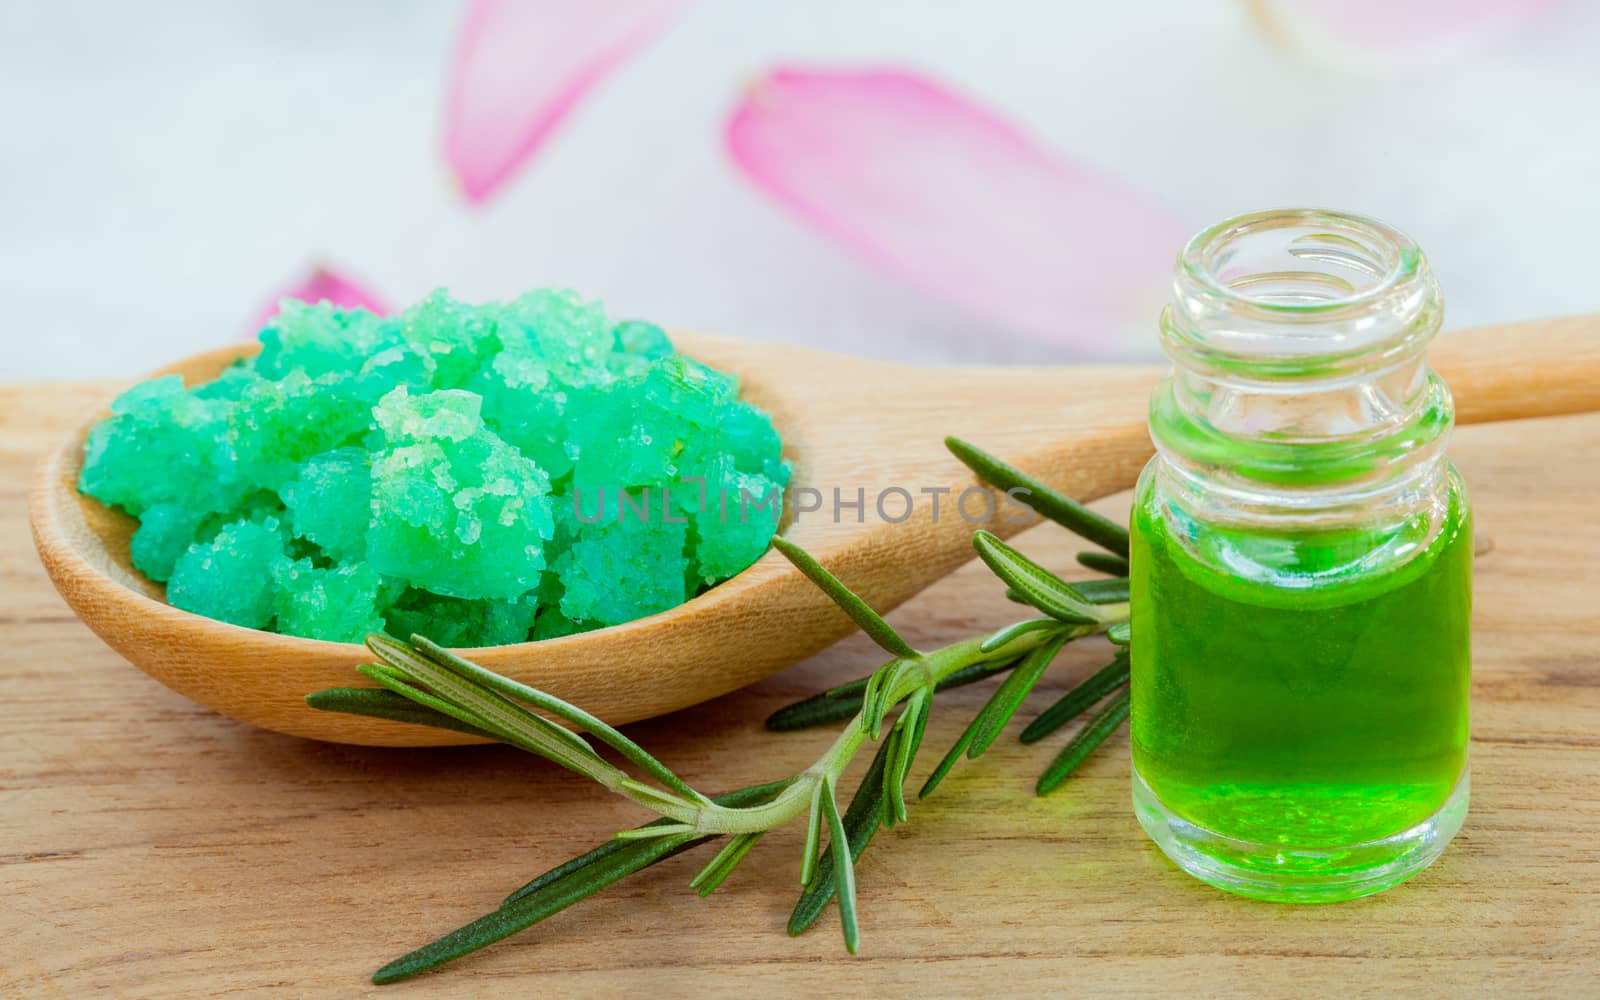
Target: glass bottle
1301,567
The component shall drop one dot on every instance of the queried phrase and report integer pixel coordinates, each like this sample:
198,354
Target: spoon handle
1513,371
1540,368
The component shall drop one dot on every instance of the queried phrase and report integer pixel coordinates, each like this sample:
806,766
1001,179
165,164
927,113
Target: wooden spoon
852,426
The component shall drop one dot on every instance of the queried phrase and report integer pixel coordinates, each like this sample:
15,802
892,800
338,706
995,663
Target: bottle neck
1300,392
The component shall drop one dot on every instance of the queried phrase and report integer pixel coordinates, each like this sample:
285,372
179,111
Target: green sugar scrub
481,474
1300,583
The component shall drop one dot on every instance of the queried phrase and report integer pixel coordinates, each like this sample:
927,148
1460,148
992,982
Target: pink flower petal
522,65
321,285
1387,35
953,199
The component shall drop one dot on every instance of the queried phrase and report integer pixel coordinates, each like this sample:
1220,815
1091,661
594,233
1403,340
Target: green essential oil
1301,579
1300,691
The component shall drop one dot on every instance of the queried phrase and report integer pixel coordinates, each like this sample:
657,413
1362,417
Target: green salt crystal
741,465
571,335
456,336
451,621
448,414
437,453
339,603
165,531
527,406
695,391
552,624
257,506
230,385
645,341
161,444
624,439
548,592
624,568
455,509
331,502
278,425
748,437
394,366
740,517
322,339
230,577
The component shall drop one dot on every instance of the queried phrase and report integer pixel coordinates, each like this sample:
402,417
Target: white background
163,167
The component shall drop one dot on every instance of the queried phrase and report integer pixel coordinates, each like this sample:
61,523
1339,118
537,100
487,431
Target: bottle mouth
1287,290
1299,261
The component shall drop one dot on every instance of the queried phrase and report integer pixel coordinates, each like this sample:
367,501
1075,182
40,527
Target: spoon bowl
875,497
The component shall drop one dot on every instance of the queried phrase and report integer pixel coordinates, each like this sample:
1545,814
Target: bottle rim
1332,288
1403,258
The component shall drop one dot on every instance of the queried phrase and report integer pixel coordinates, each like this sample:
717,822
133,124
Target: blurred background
968,180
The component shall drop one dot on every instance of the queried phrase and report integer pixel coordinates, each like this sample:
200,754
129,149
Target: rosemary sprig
1079,700
863,818
1037,585
1103,562
426,684
869,620
1114,714
559,888
1063,510
829,706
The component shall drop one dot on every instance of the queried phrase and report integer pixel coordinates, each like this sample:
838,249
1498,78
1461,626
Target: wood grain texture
149,847
1079,429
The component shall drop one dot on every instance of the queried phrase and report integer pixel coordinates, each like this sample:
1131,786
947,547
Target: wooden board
151,848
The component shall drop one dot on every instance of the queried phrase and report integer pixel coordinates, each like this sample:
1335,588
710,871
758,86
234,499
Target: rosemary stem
1110,614
796,799
792,801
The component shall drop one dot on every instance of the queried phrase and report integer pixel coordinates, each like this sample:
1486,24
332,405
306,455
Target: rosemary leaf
808,864
898,752
916,724
523,728
1042,588
530,908
910,728
399,685
1103,591
727,859
1078,700
950,759
1008,696
650,833
1010,632
1120,633
919,729
844,868
849,689
1090,736
869,620
379,703
1114,591
651,797
977,672
964,744
862,819
1101,562
606,734
872,707
824,708
879,697
1059,508
893,811
736,799
818,710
